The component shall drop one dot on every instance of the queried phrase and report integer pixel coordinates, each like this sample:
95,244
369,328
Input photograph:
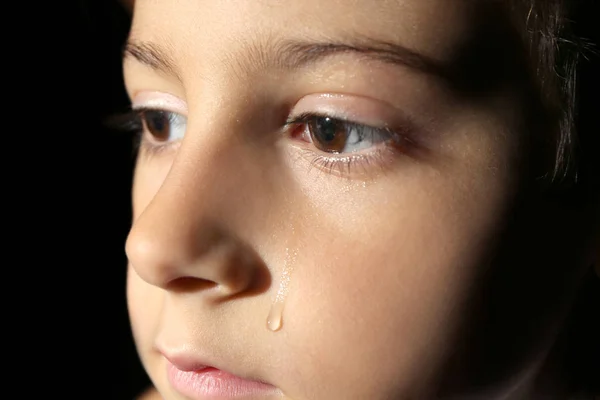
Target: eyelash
132,122
342,164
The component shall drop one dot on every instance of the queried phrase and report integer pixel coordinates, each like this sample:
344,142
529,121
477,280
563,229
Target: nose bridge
184,231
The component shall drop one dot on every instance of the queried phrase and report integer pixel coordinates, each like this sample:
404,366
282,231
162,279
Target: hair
555,53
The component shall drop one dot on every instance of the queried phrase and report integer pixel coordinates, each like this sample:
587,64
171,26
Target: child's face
368,236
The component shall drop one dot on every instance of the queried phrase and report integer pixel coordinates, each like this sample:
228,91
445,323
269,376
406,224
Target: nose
183,238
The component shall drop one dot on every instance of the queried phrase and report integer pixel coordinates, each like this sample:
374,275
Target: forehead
434,28
469,44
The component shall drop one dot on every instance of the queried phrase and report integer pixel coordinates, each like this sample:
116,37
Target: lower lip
214,384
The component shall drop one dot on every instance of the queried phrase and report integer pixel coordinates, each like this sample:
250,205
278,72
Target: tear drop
274,320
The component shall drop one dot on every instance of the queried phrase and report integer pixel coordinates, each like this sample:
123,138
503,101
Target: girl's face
321,186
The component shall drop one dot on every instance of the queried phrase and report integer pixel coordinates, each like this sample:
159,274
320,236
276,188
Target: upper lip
184,361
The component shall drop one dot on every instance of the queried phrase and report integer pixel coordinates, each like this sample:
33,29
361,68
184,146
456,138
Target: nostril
189,284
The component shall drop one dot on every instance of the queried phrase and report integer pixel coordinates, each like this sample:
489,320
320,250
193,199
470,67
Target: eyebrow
151,55
295,54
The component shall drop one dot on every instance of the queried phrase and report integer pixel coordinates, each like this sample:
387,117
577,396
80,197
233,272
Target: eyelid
160,101
352,109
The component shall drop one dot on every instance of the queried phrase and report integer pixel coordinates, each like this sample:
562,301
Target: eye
336,136
163,126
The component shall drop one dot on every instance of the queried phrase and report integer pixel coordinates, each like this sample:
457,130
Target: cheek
383,275
145,306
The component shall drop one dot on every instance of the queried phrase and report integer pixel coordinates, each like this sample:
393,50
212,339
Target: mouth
205,382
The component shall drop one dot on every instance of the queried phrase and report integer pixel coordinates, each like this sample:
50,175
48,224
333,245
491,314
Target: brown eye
338,136
328,134
164,126
156,123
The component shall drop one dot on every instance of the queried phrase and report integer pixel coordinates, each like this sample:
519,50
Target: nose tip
148,259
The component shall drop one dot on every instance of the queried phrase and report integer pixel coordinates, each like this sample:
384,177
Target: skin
390,262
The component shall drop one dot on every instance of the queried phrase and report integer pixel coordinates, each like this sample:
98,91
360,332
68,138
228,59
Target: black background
107,162
72,204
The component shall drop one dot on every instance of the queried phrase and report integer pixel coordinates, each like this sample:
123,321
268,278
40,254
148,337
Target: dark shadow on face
494,57
520,302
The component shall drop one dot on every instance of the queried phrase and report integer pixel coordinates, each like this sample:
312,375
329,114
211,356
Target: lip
199,380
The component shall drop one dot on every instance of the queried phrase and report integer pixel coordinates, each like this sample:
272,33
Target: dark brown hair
556,52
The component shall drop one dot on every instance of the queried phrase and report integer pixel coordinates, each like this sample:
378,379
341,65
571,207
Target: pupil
157,123
328,134
326,129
